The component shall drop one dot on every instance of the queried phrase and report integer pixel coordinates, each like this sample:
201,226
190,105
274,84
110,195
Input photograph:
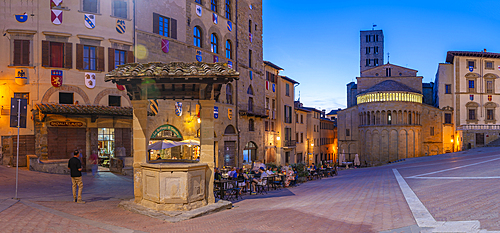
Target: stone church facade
389,119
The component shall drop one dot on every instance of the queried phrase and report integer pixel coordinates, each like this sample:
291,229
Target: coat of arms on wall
178,108
56,78
90,80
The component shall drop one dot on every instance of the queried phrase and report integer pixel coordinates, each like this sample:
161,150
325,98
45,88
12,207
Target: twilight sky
317,42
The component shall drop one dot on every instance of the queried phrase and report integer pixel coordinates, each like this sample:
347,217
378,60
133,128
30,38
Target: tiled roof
451,55
171,70
389,85
333,112
73,109
289,79
272,65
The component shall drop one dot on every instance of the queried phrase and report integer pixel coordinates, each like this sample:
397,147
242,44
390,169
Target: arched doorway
250,152
229,147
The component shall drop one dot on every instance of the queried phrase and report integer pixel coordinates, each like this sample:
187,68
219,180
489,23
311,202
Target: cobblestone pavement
452,187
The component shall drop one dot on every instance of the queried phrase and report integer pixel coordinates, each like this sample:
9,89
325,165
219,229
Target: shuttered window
119,57
89,57
164,26
57,54
21,53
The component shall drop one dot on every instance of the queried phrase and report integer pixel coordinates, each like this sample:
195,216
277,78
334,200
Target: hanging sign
65,124
153,105
216,112
56,78
198,56
22,18
89,21
229,114
198,10
267,85
56,17
251,75
471,68
120,26
274,87
178,108
215,18
165,45
90,80
229,26
490,97
230,64
471,97
21,76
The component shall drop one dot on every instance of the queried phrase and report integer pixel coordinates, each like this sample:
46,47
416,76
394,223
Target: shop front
63,128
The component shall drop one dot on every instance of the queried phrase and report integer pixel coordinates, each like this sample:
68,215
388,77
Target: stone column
207,145
140,142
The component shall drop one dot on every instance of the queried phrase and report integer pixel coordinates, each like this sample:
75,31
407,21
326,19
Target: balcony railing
253,111
290,143
477,127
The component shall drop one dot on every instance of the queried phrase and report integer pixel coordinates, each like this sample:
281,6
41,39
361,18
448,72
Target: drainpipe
236,113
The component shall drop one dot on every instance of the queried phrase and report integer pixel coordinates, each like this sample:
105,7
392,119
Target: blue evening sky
317,42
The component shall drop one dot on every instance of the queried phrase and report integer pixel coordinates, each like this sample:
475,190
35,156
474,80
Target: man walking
75,168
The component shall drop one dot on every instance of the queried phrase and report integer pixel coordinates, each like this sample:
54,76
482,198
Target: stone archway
75,89
111,91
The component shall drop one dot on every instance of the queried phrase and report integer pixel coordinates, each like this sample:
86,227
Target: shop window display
106,144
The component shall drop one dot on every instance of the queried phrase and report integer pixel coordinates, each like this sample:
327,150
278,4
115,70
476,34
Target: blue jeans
94,169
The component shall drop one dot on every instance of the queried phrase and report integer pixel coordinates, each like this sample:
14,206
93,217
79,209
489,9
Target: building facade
280,139
75,39
390,121
466,88
58,54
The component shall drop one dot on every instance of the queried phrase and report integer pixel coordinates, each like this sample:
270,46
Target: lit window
229,50
213,5
197,36
89,58
214,44
228,9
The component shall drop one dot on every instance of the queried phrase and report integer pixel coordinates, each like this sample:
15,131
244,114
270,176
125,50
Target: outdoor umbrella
163,145
190,142
356,160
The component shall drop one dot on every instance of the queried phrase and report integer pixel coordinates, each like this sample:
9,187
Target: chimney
323,114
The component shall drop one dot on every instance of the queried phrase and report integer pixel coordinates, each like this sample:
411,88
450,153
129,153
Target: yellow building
280,136
468,91
64,51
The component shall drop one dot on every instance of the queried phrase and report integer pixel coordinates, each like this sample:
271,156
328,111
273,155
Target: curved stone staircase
495,143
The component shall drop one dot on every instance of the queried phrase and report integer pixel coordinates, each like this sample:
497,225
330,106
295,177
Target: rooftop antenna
373,27
299,97
388,56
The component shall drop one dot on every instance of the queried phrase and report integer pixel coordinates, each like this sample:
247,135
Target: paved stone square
458,188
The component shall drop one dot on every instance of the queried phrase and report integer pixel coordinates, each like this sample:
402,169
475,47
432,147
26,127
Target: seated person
260,180
269,172
217,174
232,174
242,178
158,156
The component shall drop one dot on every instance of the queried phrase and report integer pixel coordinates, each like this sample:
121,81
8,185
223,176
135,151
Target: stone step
495,143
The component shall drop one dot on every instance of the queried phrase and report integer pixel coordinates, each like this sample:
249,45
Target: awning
76,109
